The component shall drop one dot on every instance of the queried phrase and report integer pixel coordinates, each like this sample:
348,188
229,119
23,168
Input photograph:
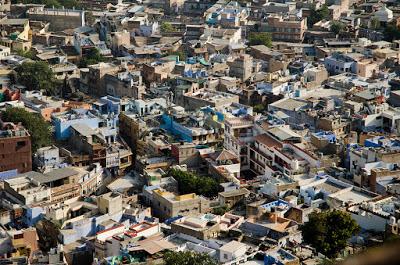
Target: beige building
124,84
16,28
120,39
367,68
314,77
233,197
93,80
167,204
59,19
290,28
109,203
241,67
200,228
157,72
205,97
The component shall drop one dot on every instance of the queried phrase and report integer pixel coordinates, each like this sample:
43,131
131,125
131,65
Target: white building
384,14
375,215
232,251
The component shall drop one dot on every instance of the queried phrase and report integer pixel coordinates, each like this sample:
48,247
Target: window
18,236
20,144
225,256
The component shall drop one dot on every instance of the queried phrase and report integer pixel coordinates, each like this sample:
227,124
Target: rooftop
54,175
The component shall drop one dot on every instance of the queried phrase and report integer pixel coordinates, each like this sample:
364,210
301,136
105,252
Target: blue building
180,131
108,105
62,121
279,256
33,214
276,204
190,128
381,141
329,137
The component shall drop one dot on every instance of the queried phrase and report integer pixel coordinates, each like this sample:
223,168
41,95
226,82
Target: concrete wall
59,20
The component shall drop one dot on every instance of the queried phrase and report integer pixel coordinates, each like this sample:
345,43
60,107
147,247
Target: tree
92,57
191,183
374,23
188,258
48,234
166,27
317,15
329,231
37,127
256,27
259,108
391,32
260,38
337,27
221,210
27,54
180,53
36,76
69,3
89,17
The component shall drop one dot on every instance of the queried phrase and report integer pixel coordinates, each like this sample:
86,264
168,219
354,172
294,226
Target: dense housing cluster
199,132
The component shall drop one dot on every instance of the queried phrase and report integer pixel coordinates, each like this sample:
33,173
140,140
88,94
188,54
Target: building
64,120
229,14
199,227
376,215
109,203
237,134
16,29
93,80
166,204
59,19
342,63
290,28
233,197
4,52
98,4
280,256
124,84
241,67
232,251
206,97
47,157
15,148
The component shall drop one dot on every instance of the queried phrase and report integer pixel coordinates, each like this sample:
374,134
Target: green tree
326,262
166,27
37,76
92,57
391,32
69,3
191,183
180,53
260,38
259,108
220,210
89,17
337,27
27,54
375,23
329,231
37,127
317,15
188,258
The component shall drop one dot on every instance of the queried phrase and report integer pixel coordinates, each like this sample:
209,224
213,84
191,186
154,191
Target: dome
384,14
